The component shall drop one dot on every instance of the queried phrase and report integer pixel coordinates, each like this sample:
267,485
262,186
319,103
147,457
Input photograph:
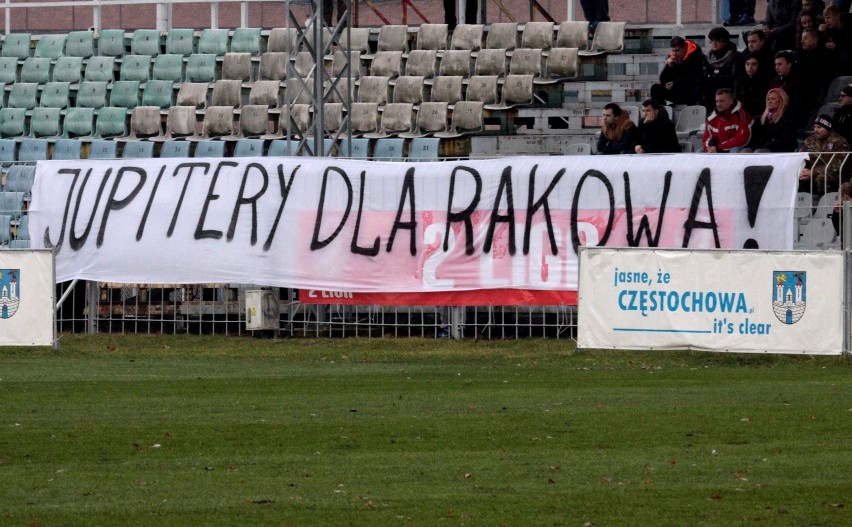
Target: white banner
741,301
365,226
26,298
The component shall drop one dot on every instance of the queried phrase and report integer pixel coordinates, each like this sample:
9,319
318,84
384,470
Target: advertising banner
26,298
740,301
353,226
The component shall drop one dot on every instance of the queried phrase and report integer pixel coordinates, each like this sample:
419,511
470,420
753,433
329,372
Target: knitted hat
823,120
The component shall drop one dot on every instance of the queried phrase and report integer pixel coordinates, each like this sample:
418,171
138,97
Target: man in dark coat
680,80
656,131
843,116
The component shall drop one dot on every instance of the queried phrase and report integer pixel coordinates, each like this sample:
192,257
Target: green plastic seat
213,41
13,122
79,122
111,122
55,95
17,45
158,93
145,42
246,40
8,70
80,44
92,94
100,69
45,122
135,68
35,70
50,46
68,69
201,68
125,94
23,95
168,67
111,43
180,41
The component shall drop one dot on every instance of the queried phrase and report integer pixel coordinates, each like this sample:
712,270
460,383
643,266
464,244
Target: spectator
741,13
775,130
844,195
806,20
470,12
751,86
595,11
656,131
680,80
842,119
728,129
815,66
836,36
756,47
787,79
780,23
822,169
720,66
618,132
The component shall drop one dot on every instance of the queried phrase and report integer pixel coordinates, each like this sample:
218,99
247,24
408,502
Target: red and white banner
373,227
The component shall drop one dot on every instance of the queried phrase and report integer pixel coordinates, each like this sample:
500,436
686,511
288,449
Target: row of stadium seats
14,234
609,36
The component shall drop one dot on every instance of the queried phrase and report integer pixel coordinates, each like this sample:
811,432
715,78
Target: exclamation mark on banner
755,180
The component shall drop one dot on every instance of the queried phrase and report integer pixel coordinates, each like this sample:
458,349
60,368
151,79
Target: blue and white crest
789,295
10,292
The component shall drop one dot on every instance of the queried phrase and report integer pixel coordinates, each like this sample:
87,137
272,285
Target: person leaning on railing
822,169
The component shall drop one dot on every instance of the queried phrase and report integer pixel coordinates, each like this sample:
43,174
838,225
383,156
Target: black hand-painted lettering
58,245
78,241
541,202
755,180
703,185
118,204
411,224
463,216
575,205
496,217
285,191
251,200
200,231
144,219
354,247
633,240
191,167
316,243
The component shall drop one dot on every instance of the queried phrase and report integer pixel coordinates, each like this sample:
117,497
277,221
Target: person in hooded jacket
618,133
656,134
680,80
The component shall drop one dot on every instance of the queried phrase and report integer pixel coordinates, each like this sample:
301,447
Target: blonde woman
775,130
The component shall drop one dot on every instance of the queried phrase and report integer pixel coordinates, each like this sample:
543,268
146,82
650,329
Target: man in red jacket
728,129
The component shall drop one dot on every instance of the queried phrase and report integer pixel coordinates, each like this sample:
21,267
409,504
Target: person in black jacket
775,130
680,80
751,86
720,65
843,115
656,131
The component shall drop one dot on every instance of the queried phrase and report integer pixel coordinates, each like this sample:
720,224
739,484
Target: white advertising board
26,298
717,300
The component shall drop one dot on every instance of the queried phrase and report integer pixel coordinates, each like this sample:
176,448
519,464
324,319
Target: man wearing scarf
618,132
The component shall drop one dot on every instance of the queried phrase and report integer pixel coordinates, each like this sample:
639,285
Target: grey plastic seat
111,43
265,92
237,66
424,149
67,149
295,119
33,149
180,41
68,69
467,119
432,36
55,95
526,61
80,44
502,35
397,118
193,94
517,91
482,88
254,120
456,62
135,68
364,117
138,150
36,70
23,95
218,122
608,38
145,42
447,89
50,46
491,62
16,45
422,62
387,64
92,94
111,122
13,122
467,36
8,70
158,93
336,90
393,37
332,117
358,40
246,40
273,66
298,91
227,93
339,61
200,67
561,64
573,34
79,122
578,149
690,120
213,41
103,149
100,69
431,118
409,88
171,149
124,93
537,35
209,148
144,123
374,89
282,40
248,148
168,67
180,124
303,64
